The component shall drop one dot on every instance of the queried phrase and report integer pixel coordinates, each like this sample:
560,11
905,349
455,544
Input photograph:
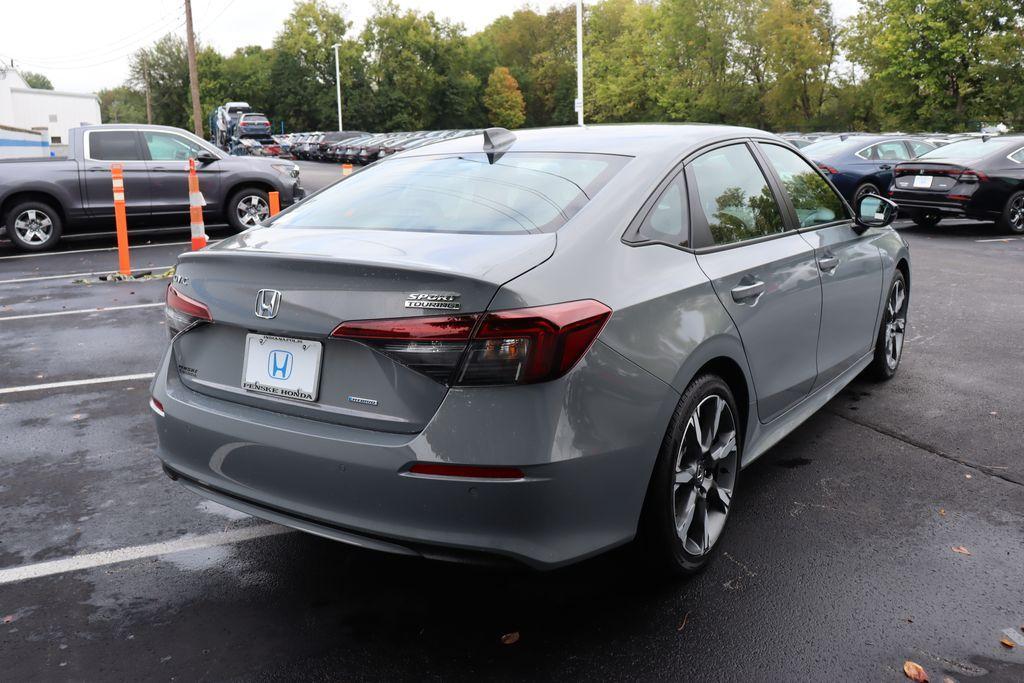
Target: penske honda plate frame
282,366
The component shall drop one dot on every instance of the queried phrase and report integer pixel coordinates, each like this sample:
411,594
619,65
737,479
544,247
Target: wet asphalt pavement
838,563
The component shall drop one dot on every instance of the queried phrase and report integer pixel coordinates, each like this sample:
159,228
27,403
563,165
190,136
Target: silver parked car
536,346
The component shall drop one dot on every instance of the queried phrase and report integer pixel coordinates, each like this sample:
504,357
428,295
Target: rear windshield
519,192
966,150
255,119
828,147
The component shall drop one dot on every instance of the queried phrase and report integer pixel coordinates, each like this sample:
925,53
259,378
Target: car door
849,262
167,155
764,273
101,149
886,155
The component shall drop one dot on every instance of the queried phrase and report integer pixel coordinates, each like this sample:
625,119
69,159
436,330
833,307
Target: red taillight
972,176
828,169
181,311
519,346
528,345
445,470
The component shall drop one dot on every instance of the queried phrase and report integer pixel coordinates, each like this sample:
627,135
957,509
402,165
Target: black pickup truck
42,199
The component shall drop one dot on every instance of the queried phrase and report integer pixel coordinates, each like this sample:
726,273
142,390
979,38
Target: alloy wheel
705,475
252,209
1017,213
33,226
896,324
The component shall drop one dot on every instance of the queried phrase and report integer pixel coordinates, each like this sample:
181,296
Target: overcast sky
84,45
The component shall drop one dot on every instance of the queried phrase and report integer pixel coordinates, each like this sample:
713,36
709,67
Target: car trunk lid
328,276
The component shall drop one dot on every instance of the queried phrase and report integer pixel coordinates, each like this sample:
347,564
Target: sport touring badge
439,302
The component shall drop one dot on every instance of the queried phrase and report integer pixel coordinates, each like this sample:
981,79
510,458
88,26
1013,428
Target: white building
48,112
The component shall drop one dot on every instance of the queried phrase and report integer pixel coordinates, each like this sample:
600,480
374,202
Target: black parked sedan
980,178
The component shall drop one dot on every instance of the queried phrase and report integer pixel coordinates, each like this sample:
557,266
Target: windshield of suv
519,192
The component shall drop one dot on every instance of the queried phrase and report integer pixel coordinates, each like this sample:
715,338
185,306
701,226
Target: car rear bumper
586,444
938,203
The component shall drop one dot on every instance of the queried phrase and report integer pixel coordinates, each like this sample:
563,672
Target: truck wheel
247,208
1012,219
34,226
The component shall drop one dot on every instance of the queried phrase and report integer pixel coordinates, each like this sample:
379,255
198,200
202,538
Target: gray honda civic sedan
534,346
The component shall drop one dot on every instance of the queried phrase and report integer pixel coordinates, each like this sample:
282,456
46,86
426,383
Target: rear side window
520,192
815,202
734,195
920,147
890,151
1018,156
114,145
667,220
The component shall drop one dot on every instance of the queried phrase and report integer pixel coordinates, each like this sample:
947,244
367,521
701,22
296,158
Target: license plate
282,366
922,181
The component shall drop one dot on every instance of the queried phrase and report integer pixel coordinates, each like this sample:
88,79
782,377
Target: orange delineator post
196,202
120,220
275,202
346,169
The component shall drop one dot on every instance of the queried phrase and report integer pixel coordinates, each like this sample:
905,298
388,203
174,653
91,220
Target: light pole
337,82
579,62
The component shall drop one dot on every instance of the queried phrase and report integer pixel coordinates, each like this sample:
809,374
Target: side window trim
789,208
139,147
632,234
701,241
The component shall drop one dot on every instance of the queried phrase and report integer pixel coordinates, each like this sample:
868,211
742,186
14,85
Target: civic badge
433,301
267,303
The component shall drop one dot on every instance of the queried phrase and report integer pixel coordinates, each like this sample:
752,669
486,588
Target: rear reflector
519,346
444,470
157,406
181,311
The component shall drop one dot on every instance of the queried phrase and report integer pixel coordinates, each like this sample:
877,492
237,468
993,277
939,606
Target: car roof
653,140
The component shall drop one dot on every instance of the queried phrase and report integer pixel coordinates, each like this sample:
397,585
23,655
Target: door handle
828,263
745,292
885,167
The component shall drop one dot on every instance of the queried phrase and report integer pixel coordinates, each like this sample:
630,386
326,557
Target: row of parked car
931,176
358,147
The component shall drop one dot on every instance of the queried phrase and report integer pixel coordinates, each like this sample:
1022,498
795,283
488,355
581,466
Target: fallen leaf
960,549
9,618
993,413
1007,643
510,638
686,617
967,476
914,672
942,512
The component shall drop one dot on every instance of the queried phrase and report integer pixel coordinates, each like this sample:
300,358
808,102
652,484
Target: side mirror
206,158
875,212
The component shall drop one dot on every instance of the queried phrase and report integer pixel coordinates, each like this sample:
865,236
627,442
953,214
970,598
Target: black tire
34,226
891,331
1012,220
863,189
926,219
232,212
669,496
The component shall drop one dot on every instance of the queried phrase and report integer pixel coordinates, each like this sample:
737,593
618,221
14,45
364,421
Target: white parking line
77,383
86,251
79,275
1001,239
138,552
101,309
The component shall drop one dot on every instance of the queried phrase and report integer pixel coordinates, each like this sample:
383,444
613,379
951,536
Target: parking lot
888,527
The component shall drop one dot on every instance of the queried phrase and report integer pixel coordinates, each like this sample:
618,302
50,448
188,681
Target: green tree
36,80
302,67
504,101
122,105
930,62
165,67
618,79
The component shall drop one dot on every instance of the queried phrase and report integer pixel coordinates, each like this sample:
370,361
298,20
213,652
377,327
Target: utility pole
193,71
579,62
149,97
337,82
